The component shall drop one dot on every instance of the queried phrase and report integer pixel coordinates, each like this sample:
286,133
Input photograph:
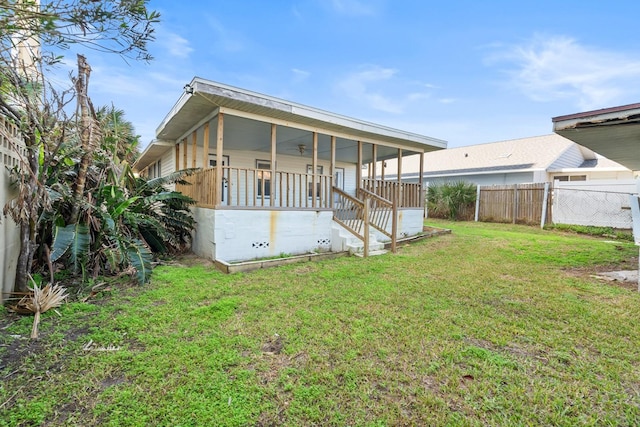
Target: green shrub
451,200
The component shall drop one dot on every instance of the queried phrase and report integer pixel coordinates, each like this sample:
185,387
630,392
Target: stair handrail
353,225
379,218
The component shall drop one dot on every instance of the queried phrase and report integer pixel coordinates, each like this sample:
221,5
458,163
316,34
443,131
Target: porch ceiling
255,135
613,132
248,134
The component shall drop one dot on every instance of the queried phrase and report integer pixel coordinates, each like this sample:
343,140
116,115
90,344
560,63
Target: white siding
488,179
571,158
168,162
9,231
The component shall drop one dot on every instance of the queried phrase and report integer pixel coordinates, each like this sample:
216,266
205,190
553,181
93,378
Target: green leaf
62,238
121,207
74,238
140,258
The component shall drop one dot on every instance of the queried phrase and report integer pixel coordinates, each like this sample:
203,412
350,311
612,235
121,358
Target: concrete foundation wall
410,223
240,235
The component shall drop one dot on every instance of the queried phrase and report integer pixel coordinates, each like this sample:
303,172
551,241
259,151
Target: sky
467,72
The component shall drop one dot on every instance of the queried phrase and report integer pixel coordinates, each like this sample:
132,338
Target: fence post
477,203
515,202
634,201
426,202
545,200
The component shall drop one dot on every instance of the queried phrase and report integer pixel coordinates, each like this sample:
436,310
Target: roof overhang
154,151
611,132
202,97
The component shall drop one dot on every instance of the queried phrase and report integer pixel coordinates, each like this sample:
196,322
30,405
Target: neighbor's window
264,177
566,178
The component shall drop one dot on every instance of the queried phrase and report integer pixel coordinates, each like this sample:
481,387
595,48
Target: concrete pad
620,276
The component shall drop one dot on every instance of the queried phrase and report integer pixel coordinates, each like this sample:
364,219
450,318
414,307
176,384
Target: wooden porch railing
381,211
201,187
406,195
357,215
251,188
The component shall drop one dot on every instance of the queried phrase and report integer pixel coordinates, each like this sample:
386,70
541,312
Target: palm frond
172,178
42,300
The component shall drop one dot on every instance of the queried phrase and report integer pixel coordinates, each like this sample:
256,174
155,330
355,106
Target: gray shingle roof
516,154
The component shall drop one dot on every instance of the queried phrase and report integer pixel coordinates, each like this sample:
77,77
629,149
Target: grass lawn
492,325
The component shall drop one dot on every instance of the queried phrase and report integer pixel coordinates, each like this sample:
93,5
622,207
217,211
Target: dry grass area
491,325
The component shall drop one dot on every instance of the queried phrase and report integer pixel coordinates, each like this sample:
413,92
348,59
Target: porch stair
343,240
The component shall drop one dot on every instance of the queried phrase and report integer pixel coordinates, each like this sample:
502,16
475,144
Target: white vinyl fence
602,203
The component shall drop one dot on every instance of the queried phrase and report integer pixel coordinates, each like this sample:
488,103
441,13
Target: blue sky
468,72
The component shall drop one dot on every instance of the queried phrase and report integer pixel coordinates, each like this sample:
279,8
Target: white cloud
300,75
382,89
555,68
357,86
174,44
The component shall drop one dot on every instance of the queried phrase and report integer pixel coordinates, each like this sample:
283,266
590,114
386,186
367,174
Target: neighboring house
9,232
282,178
612,132
26,50
526,160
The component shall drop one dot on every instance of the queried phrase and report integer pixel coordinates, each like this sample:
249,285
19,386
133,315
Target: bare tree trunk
89,135
28,226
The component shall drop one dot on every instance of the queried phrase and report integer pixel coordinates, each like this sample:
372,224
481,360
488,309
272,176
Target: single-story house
517,161
276,177
613,132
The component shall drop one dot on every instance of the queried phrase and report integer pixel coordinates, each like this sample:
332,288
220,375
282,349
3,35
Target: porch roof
611,132
202,97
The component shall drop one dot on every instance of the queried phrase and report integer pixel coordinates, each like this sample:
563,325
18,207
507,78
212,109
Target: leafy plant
451,200
35,112
120,221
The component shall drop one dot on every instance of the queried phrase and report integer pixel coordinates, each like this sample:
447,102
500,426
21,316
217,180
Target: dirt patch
190,260
601,273
273,345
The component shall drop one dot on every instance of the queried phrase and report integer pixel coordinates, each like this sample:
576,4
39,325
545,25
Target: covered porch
328,172
285,172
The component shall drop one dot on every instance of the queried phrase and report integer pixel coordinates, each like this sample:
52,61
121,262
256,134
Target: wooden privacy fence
518,203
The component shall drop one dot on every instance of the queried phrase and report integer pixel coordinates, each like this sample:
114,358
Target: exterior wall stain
273,229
